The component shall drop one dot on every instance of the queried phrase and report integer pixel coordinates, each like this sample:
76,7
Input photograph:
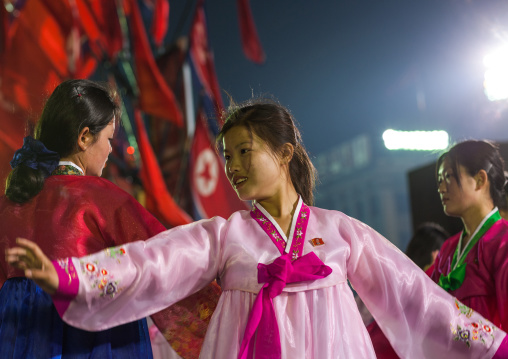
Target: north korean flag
211,190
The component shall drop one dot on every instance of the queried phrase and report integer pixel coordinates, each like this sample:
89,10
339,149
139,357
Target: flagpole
189,100
190,118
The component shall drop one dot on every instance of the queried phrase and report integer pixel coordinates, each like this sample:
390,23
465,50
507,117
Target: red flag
104,16
202,57
155,96
160,21
35,59
250,40
80,62
4,28
212,192
12,131
161,203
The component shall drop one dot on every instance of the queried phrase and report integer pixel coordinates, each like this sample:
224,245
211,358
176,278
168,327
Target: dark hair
504,203
274,124
476,155
427,238
73,105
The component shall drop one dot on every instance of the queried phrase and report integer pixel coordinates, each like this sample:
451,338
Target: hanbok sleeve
419,318
500,274
126,283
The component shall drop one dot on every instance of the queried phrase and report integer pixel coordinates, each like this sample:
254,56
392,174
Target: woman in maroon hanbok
55,196
473,264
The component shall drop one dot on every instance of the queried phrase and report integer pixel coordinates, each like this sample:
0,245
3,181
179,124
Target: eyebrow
446,170
239,145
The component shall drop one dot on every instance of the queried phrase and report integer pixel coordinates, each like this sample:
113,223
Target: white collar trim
276,225
461,253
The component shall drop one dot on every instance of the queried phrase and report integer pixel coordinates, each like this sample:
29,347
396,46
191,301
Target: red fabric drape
102,25
202,58
250,40
159,201
160,21
12,131
211,190
35,59
155,96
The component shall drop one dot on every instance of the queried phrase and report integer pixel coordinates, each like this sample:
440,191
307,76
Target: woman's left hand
30,258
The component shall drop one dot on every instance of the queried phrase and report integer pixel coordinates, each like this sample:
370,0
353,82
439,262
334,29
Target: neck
282,205
74,159
282,208
472,219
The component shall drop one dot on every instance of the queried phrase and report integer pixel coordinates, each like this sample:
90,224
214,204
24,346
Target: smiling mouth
239,182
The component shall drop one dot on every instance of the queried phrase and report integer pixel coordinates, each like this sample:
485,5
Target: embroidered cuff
68,285
502,351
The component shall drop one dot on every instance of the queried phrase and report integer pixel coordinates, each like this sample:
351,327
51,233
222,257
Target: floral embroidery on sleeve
115,252
472,331
69,270
464,309
100,278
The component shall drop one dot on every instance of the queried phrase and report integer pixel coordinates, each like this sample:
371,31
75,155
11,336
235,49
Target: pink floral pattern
300,230
464,309
69,269
66,170
99,277
298,236
473,331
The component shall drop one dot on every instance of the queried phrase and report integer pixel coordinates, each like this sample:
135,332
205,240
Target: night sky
349,67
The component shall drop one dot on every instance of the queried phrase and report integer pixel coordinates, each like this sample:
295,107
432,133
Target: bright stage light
496,75
415,140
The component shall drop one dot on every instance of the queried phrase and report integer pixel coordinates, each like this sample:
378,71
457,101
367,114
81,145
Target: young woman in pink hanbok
284,268
473,264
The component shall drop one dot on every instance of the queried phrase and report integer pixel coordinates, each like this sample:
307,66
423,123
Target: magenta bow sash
262,317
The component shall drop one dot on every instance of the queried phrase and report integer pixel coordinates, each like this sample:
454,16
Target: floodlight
496,75
415,140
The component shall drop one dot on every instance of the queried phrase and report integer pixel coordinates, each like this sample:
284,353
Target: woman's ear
481,179
85,139
287,152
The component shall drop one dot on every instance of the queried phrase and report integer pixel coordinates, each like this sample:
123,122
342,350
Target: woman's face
97,153
456,200
251,167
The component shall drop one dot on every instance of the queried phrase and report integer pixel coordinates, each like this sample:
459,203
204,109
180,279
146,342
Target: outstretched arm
122,284
419,318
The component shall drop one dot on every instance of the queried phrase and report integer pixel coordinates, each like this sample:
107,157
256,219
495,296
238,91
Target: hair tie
78,93
35,155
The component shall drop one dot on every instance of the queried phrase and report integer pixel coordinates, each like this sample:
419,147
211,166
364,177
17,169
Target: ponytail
24,183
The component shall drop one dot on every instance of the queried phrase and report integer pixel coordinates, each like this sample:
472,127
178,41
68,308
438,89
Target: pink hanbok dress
315,318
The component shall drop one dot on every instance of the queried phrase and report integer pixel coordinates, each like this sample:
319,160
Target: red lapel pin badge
317,242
